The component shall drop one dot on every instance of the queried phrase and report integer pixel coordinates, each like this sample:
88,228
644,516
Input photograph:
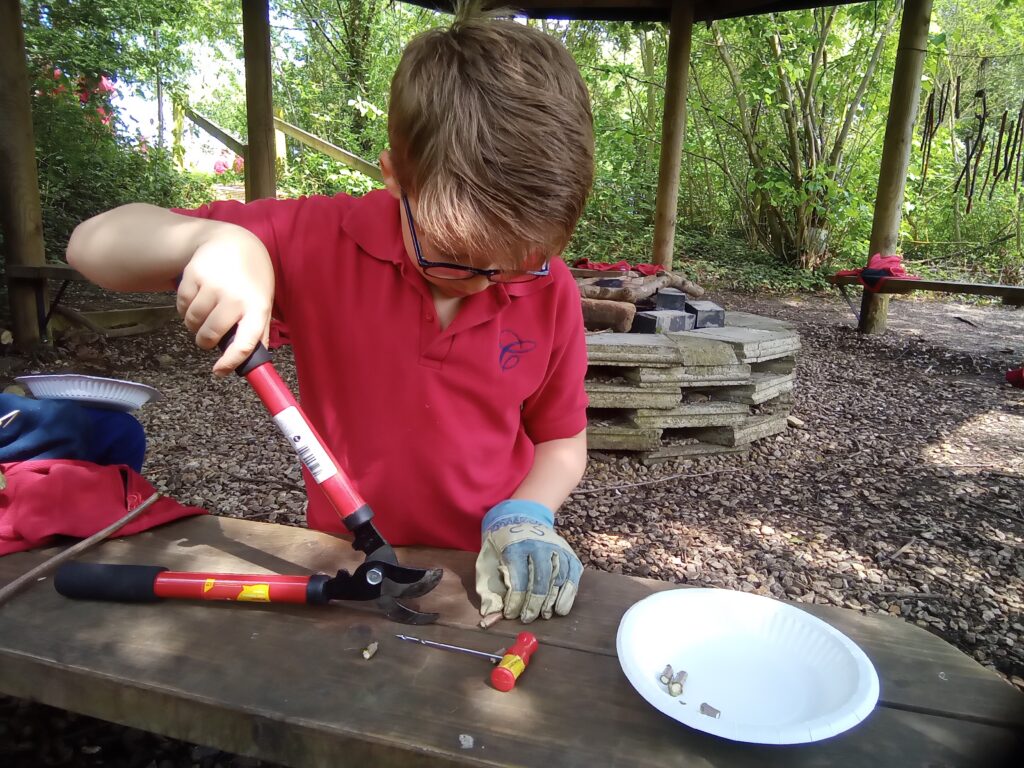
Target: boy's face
449,288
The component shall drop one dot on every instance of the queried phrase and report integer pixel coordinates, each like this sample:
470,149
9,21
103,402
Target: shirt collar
374,222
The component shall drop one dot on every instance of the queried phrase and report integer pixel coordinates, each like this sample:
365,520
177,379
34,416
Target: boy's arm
226,273
558,467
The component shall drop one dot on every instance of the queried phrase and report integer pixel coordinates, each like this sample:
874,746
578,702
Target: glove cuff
507,511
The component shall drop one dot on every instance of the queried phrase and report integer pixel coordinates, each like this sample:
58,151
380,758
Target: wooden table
289,684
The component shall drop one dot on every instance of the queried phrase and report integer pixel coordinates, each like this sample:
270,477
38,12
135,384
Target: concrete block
707,313
754,428
710,414
662,321
762,388
614,395
670,298
632,349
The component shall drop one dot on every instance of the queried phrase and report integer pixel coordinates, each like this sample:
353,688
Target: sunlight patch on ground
992,440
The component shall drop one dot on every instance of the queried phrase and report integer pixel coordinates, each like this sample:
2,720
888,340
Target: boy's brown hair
491,132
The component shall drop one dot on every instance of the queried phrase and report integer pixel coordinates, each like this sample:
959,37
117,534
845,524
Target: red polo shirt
434,427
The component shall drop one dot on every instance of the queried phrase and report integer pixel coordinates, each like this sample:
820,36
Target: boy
438,339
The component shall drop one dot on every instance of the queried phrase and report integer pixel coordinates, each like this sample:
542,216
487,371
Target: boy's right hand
229,280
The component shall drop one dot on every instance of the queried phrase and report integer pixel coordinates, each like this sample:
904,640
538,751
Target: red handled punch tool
380,578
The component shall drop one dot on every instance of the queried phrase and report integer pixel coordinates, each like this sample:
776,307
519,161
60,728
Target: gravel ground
903,491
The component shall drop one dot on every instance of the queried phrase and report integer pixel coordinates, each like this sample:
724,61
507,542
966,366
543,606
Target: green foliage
86,167
727,263
786,119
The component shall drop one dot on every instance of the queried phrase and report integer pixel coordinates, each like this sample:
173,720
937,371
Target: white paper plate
777,674
96,391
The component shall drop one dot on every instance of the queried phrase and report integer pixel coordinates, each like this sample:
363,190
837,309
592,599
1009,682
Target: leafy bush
86,167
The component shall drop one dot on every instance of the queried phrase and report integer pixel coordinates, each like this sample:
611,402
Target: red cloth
619,266
1016,377
60,497
434,426
878,269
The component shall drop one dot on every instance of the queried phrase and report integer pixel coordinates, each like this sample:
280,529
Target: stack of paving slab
710,390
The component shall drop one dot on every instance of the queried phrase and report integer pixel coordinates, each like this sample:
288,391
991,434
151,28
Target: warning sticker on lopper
302,439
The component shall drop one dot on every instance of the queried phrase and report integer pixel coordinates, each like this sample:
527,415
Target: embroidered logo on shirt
511,347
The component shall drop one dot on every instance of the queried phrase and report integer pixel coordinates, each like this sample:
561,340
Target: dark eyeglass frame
494,275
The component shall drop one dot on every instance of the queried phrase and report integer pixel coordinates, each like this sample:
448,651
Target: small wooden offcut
289,683
1010,294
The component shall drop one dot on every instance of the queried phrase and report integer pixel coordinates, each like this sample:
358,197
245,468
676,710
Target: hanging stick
995,161
974,176
1020,146
927,129
1008,148
956,106
943,103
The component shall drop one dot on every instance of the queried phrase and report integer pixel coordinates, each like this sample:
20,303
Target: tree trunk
673,132
899,130
20,214
260,178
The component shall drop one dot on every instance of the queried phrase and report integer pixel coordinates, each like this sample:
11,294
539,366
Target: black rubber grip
258,357
105,581
362,515
316,590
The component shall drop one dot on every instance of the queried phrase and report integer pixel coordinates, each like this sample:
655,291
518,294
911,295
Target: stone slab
633,349
662,321
747,320
777,365
690,376
715,376
619,437
679,418
752,344
609,395
762,387
754,428
668,451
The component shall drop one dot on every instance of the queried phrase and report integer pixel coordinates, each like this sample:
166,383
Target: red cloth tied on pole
619,266
878,269
62,497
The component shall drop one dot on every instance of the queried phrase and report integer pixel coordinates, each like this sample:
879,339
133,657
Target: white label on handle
302,439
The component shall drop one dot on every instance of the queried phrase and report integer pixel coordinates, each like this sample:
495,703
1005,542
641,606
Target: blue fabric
62,429
517,511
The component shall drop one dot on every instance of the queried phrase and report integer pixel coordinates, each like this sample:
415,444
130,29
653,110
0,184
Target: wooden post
673,130
20,214
899,131
259,108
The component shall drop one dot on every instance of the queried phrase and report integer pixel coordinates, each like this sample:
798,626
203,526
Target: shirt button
428,317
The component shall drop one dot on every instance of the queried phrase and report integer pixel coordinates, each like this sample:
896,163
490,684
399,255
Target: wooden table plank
921,671
289,684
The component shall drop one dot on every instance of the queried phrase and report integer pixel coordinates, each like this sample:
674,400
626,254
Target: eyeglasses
447,271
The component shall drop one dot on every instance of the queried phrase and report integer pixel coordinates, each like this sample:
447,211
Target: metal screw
374,576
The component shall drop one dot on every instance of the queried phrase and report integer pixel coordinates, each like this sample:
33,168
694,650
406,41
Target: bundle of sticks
610,298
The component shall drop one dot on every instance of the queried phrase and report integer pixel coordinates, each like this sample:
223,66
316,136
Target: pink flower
221,166
105,117
238,164
105,85
57,73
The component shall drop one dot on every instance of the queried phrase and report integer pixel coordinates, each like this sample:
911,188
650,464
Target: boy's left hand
524,568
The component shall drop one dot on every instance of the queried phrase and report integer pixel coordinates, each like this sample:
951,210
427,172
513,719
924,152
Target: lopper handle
311,449
514,662
150,583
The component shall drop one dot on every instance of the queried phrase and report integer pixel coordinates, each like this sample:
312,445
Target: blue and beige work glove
524,568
